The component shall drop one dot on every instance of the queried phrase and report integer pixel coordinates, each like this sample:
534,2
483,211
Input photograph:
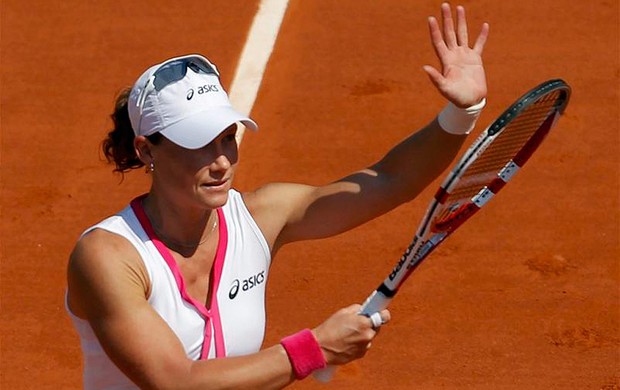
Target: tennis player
170,292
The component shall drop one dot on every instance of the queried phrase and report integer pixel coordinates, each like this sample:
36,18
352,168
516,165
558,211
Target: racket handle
376,302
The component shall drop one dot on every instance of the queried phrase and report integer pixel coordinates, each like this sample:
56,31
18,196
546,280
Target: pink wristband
304,353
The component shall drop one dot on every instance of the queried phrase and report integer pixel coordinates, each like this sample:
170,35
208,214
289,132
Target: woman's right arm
108,287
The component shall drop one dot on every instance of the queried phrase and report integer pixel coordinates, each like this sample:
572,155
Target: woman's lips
215,184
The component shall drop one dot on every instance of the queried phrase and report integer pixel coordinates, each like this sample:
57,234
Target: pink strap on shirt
209,315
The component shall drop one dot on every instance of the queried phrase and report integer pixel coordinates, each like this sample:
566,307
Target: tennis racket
489,163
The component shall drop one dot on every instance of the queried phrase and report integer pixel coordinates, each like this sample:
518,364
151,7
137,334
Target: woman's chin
214,196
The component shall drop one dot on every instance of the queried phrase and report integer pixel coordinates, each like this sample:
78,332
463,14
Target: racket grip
376,302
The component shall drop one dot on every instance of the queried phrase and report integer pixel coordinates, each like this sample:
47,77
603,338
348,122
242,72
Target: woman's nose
221,162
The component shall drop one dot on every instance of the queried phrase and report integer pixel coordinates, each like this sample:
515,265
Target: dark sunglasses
171,72
176,70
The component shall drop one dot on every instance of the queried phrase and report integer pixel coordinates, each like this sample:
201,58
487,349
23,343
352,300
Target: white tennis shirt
235,323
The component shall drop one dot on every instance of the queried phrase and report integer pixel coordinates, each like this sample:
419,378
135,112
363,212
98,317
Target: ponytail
118,146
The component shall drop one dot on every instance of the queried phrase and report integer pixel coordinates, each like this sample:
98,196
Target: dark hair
118,146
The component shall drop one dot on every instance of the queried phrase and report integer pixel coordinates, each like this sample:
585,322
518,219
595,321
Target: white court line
254,57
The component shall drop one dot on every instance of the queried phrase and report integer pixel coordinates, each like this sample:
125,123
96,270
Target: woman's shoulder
266,196
98,238
256,200
103,250
98,258
106,249
277,197
270,207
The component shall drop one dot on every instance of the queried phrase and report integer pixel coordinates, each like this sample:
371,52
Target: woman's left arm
299,212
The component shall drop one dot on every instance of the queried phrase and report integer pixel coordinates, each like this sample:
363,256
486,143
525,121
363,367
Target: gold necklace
183,245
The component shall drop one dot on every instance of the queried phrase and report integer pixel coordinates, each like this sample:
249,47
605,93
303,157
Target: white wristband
460,121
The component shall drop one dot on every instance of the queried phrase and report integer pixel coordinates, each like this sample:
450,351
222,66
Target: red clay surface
526,296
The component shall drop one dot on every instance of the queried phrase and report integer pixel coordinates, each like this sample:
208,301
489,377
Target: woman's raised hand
462,78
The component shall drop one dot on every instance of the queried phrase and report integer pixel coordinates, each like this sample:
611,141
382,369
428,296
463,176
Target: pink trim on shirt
218,264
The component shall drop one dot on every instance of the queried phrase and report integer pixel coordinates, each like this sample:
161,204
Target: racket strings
485,168
507,145
512,139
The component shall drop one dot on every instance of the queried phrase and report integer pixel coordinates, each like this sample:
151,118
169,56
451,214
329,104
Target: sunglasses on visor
171,72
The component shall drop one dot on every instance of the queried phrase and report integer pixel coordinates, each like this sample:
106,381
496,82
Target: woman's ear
143,149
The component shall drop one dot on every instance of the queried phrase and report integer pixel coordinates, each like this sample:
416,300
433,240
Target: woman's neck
180,226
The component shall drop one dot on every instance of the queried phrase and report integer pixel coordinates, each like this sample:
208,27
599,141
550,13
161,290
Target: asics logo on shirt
245,284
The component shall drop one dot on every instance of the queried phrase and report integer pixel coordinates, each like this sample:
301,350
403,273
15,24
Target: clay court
525,296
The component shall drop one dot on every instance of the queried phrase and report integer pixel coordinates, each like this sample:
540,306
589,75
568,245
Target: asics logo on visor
202,89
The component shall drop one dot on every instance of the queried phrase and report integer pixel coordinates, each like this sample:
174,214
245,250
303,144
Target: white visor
190,109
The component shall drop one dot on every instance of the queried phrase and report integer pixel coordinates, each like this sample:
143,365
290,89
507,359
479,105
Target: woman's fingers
448,26
482,39
461,26
436,37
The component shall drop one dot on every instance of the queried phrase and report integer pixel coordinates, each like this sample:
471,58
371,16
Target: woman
169,293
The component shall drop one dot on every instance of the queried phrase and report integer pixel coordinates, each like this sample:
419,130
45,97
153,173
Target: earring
150,168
